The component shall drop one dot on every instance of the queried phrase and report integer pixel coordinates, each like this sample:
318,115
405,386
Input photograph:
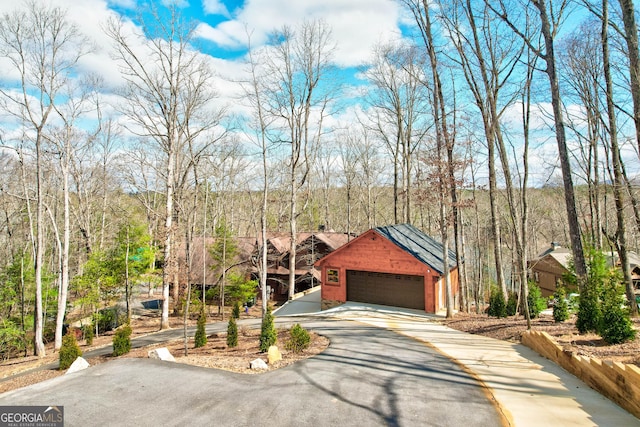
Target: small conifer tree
200,339
268,334
560,305
497,306
299,339
88,333
232,333
236,310
512,304
122,340
616,326
535,300
69,350
589,308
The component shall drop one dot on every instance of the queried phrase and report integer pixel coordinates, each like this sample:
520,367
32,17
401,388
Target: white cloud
215,7
357,25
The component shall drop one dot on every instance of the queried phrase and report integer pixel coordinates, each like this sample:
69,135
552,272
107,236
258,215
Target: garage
398,290
395,265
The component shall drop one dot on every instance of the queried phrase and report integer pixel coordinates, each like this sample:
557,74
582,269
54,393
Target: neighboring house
201,271
396,265
548,268
634,264
309,248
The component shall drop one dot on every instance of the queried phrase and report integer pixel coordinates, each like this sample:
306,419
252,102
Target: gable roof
418,244
554,255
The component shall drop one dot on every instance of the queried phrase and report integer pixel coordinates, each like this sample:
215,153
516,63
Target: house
200,270
309,248
549,266
396,265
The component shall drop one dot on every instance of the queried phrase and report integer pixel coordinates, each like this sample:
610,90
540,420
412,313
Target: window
332,276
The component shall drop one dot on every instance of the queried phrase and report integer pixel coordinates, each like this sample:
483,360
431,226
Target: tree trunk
64,285
618,184
293,235
38,343
563,152
631,38
169,262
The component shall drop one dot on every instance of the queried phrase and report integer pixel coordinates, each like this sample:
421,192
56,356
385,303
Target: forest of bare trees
495,126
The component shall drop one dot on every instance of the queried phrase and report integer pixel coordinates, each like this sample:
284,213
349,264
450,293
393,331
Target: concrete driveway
367,376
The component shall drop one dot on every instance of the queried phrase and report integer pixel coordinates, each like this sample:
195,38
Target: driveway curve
368,376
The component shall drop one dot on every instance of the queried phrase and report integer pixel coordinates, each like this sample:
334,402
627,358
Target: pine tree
236,310
589,310
69,351
268,334
497,307
560,305
232,333
535,301
200,339
616,326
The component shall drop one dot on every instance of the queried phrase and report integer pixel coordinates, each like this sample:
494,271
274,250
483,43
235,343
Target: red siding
372,252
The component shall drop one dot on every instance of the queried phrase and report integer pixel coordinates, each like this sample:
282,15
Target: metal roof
418,244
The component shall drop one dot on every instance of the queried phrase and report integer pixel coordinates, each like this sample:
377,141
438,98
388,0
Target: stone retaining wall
617,381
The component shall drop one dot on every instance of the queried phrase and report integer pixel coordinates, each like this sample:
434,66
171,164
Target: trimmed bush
122,340
560,305
200,339
589,312
589,309
268,334
512,304
535,300
497,306
236,310
232,333
88,334
69,351
616,326
299,339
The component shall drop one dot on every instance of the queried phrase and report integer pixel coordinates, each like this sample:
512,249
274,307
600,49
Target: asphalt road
368,376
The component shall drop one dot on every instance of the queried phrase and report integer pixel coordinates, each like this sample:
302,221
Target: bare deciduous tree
169,93
43,49
550,14
298,95
400,103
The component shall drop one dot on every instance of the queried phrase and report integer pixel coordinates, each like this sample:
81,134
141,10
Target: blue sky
357,26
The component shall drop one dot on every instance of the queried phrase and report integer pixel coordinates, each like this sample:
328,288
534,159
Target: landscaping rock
258,365
162,354
273,354
78,365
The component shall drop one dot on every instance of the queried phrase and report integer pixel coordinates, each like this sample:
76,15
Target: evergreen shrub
200,339
535,300
122,340
88,334
299,339
512,304
69,351
232,333
560,305
616,326
236,310
268,334
497,306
